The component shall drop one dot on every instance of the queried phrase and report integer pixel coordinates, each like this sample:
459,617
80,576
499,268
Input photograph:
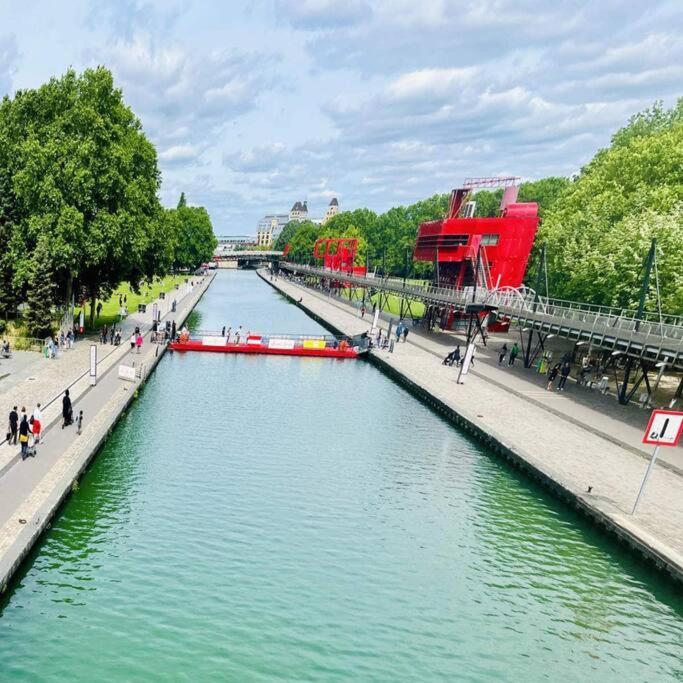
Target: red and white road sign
665,428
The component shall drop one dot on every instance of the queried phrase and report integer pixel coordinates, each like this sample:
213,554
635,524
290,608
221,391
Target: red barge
318,346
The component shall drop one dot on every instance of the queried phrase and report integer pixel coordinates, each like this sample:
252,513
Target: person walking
133,339
362,311
13,426
564,374
405,332
514,352
24,431
173,329
502,353
37,422
112,334
67,410
138,341
551,376
223,331
79,422
399,332
99,308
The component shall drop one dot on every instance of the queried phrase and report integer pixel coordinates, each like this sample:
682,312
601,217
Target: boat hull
262,349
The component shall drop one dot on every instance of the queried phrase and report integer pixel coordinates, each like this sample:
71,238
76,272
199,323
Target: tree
301,244
286,235
487,203
83,177
637,179
195,241
545,192
39,319
182,201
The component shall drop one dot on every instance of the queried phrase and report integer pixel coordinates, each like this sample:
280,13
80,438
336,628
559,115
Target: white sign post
155,308
375,320
465,364
664,429
93,365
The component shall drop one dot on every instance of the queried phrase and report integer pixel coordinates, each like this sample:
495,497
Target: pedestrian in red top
138,341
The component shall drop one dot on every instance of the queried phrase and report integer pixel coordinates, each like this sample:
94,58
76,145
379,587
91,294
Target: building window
489,240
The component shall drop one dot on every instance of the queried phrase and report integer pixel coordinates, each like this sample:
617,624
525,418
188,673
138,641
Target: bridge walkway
651,340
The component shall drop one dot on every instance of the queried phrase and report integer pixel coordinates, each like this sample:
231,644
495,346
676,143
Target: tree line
79,205
597,226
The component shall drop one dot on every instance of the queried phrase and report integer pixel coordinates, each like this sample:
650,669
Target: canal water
257,519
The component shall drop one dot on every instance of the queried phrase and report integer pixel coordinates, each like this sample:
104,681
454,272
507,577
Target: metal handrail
523,303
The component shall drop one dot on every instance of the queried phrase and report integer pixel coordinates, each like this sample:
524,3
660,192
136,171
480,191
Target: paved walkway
558,448
30,490
599,414
44,380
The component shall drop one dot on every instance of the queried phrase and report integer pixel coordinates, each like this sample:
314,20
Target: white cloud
323,14
9,57
180,154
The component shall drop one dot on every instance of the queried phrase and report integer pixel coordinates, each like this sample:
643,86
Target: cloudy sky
253,105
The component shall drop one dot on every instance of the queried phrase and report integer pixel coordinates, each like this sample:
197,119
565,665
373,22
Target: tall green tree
636,180
286,235
195,241
39,317
182,201
84,178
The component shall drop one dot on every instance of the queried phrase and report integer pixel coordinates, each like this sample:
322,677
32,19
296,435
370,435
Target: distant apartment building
299,212
269,227
332,210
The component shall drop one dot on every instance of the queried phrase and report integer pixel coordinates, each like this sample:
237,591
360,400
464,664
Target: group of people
21,428
562,369
136,340
26,430
60,342
227,332
113,334
514,352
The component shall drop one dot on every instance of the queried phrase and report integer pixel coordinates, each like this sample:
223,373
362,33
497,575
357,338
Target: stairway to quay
32,490
589,458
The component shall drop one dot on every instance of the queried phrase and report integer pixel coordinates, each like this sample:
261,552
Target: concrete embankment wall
640,539
35,513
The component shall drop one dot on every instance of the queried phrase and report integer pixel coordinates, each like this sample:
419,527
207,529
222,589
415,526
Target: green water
256,519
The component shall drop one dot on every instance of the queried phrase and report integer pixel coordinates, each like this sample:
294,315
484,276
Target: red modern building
504,243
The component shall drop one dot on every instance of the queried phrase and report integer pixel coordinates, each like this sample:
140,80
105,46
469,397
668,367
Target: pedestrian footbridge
651,338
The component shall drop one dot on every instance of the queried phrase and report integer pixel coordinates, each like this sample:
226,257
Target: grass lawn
110,308
394,307
418,308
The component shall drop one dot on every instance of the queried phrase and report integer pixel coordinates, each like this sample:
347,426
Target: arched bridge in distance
246,258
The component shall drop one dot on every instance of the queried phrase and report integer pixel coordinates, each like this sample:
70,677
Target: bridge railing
522,300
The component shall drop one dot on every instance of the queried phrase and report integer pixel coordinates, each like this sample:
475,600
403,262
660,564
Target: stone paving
49,377
584,407
565,452
31,490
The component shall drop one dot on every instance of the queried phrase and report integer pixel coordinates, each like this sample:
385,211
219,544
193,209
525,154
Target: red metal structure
505,241
338,253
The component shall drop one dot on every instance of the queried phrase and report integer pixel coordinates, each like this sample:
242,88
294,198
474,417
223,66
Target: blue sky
253,105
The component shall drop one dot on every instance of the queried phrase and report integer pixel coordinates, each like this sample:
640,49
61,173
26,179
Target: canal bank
593,474
32,491
280,519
